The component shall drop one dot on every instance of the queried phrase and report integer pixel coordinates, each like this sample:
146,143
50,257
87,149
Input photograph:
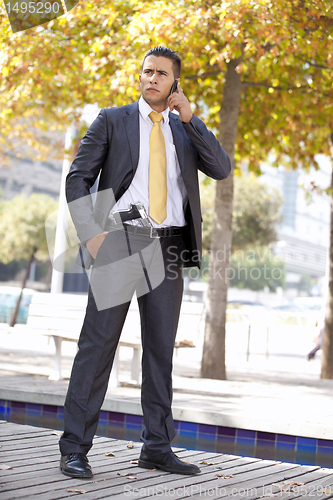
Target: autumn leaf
130,444
130,475
225,476
76,491
109,454
5,467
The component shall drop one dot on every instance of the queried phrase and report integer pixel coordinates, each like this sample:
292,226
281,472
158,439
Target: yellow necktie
157,171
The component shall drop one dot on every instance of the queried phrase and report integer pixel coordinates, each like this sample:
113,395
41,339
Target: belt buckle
151,229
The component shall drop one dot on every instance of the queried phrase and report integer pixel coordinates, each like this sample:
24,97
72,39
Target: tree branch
287,87
204,75
275,87
314,65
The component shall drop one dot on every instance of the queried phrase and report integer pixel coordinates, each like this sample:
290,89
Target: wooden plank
101,481
26,444
25,478
109,485
107,482
23,469
262,478
12,429
168,485
36,473
309,485
32,453
22,435
56,480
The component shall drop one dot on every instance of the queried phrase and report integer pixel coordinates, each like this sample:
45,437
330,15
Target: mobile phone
174,87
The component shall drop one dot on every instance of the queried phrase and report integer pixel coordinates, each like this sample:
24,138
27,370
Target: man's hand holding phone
178,101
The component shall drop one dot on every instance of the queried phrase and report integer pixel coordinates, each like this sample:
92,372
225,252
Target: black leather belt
154,232
150,232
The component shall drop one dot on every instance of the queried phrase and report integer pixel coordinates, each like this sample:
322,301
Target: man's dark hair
168,54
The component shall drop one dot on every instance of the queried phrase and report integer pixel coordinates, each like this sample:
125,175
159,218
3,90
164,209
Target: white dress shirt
138,189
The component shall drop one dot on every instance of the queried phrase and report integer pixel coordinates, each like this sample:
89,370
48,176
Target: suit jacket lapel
131,121
132,126
178,138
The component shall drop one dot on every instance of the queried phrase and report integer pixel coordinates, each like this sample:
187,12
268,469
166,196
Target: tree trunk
327,346
213,359
25,278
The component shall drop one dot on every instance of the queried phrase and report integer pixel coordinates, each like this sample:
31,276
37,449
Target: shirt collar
145,110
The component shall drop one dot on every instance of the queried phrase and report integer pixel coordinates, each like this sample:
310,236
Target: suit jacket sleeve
213,160
83,174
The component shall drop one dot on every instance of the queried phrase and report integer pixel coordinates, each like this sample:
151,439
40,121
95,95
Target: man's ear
140,78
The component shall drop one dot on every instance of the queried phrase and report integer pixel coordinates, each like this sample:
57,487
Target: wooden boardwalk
29,468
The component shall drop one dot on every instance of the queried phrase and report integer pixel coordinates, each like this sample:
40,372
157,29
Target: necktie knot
155,117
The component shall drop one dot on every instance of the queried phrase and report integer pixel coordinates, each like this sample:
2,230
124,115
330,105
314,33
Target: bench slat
60,299
57,311
55,324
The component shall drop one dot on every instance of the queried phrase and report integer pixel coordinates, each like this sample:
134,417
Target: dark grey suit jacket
111,148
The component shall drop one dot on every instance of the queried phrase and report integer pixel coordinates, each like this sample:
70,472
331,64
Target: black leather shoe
75,465
167,461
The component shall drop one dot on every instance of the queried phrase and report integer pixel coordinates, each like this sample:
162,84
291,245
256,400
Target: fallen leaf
288,485
225,475
5,467
128,474
292,483
135,462
207,463
109,454
130,444
76,491
56,433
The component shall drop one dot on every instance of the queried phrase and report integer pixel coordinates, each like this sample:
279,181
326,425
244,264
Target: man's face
156,81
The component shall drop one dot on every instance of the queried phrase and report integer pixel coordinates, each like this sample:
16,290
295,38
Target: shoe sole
150,465
77,475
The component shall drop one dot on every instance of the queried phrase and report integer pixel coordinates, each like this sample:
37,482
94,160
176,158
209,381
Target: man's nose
153,78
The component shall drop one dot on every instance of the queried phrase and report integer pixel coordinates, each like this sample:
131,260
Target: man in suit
119,147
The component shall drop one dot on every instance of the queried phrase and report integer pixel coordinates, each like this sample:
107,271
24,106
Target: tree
49,73
256,212
22,226
327,347
256,269
262,69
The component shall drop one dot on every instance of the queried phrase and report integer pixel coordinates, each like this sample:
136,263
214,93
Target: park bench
61,316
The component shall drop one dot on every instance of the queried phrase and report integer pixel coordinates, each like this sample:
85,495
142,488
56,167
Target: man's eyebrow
158,70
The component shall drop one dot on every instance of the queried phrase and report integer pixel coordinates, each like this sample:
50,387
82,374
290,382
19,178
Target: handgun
136,211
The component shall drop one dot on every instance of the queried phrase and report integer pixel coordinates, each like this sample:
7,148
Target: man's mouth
152,89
